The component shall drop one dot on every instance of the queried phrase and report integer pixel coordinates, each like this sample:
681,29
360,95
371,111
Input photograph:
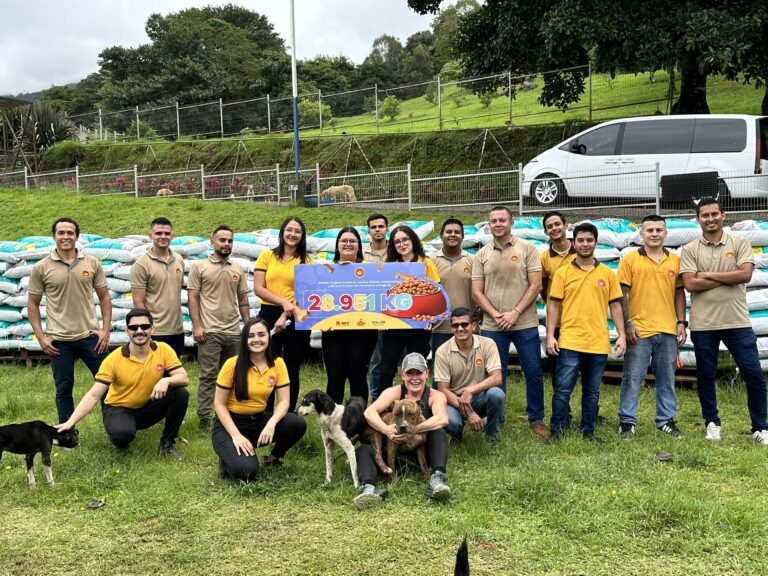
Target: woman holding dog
404,246
242,422
346,353
273,283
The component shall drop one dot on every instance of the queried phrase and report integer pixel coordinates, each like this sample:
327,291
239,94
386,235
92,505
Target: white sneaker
713,432
761,437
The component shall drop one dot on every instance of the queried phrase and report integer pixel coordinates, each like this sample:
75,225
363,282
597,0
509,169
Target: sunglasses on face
458,325
144,327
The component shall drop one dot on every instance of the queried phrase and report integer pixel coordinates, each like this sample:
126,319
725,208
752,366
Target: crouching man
468,372
139,395
415,374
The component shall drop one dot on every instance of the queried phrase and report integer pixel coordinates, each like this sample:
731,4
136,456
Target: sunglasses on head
134,327
458,325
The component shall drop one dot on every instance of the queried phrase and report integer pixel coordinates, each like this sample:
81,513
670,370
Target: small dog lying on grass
342,425
30,438
405,415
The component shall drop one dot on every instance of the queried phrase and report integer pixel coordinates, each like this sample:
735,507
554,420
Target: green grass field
526,508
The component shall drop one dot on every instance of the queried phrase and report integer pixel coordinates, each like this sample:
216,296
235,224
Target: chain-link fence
116,182
13,179
247,117
483,187
158,122
353,109
200,119
182,183
54,179
259,185
387,185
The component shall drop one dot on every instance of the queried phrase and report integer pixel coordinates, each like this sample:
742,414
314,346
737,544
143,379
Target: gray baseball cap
414,361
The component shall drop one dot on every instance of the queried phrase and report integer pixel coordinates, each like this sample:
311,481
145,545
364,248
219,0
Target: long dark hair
392,253
244,364
301,248
352,230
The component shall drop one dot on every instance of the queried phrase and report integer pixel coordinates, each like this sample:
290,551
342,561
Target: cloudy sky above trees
48,42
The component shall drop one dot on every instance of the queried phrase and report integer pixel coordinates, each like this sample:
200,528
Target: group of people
250,378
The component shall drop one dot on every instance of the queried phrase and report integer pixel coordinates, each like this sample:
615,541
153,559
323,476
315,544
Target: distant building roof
6,102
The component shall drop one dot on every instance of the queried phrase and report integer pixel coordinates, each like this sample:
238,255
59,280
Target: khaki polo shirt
68,290
652,288
162,282
551,261
373,257
724,306
460,371
585,295
220,283
456,278
505,273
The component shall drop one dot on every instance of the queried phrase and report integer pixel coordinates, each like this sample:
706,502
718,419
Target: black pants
175,341
437,456
122,423
346,354
291,345
241,467
392,345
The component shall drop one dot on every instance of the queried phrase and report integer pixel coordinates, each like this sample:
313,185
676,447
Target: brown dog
405,415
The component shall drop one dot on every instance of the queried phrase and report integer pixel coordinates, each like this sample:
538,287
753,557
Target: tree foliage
390,107
34,129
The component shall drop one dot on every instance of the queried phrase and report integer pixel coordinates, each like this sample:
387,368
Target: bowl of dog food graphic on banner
352,296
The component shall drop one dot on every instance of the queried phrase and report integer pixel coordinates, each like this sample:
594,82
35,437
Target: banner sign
367,296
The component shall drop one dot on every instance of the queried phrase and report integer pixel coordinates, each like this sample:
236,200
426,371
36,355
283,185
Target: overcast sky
47,42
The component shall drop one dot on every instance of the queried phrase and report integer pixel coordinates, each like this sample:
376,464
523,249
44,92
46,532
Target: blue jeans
569,364
528,348
437,341
742,344
490,404
660,351
63,368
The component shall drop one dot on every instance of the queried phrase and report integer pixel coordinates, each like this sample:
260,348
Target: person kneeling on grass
144,383
415,374
242,423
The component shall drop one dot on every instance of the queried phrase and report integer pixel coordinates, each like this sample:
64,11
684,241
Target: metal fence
437,104
484,187
387,185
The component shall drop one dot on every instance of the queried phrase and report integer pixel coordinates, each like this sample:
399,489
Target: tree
698,37
309,113
390,107
445,28
383,65
34,129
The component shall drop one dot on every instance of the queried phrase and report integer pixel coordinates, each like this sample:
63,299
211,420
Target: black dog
462,560
30,438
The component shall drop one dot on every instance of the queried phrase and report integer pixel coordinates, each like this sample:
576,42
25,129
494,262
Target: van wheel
548,190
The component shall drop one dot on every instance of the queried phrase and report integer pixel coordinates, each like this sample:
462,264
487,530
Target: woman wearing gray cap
415,375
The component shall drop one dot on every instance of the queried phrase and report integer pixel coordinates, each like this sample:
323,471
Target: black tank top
425,409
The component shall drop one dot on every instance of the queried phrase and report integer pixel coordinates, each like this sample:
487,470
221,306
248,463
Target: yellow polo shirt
131,381
456,278
584,296
551,262
278,274
260,386
460,371
652,289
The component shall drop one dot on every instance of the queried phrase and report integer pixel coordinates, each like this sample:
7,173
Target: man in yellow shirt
580,294
139,395
654,321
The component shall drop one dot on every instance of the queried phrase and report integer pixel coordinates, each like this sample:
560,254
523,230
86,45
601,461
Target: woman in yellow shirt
404,246
242,422
273,283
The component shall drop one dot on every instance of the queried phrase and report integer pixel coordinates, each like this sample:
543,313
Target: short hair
222,228
585,227
500,208
461,311
449,221
161,221
653,218
373,217
68,221
136,312
550,214
707,202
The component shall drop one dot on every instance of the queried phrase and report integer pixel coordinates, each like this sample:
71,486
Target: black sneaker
590,437
170,452
204,425
627,430
670,428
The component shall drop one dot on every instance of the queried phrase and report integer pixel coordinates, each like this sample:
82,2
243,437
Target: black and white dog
30,438
340,425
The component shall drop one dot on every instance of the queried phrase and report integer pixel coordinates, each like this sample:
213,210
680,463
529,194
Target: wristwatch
683,322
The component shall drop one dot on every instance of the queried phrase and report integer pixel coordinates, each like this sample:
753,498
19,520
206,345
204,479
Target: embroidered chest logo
729,254
272,380
601,283
515,258
178,271
479,362
159,368
235,277
671,273
466,269
86,273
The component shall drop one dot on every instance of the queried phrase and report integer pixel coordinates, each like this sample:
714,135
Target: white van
596,161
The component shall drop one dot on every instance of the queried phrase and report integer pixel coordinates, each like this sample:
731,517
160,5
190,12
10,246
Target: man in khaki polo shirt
217,290
468,372
68,278
156,281
375,252
455,268
506,279
715,270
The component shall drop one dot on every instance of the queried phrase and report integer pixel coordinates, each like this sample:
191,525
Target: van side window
600,141
657,137
720,135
